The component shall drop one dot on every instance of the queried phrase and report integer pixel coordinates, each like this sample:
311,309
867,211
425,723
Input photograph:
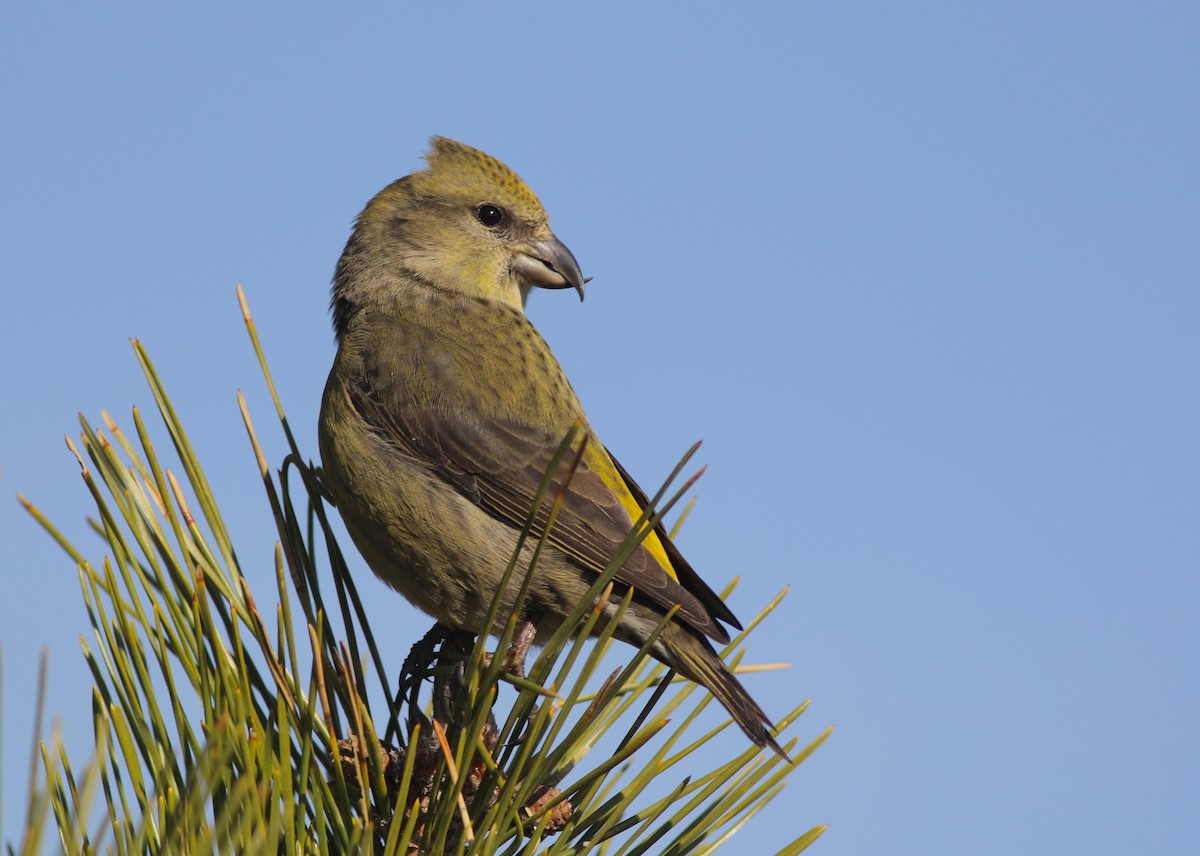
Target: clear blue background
923,276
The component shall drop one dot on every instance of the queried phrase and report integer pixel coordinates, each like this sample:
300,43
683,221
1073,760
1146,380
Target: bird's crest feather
457,171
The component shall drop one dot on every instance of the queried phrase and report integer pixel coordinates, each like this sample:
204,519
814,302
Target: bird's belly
419,535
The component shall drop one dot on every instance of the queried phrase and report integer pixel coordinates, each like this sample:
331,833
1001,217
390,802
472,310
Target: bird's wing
499,466
684,572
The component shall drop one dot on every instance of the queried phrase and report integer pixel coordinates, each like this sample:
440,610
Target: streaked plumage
445,406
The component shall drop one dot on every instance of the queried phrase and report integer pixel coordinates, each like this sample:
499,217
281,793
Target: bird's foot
518,651
420,658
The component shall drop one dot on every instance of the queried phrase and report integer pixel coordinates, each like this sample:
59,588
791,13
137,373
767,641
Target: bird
445,407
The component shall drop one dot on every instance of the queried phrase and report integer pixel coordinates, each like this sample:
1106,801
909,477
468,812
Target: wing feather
499,465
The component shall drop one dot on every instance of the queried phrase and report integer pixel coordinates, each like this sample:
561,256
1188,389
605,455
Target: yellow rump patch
598,461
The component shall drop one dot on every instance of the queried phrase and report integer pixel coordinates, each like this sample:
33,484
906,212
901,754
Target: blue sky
923,276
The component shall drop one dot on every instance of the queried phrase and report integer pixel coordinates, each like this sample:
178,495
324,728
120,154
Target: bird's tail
694,658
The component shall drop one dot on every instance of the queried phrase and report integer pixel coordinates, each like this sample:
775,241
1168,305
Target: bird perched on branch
445,407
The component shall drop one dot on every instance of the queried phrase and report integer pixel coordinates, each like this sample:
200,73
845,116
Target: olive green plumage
445,406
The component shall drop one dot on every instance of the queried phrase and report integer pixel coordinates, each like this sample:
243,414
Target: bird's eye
490,215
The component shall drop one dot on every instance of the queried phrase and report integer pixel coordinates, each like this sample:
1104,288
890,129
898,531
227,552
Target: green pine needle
225,722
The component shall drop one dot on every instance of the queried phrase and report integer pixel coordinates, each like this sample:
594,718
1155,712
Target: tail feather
694,658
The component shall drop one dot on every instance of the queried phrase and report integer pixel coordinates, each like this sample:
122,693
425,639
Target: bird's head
468,223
